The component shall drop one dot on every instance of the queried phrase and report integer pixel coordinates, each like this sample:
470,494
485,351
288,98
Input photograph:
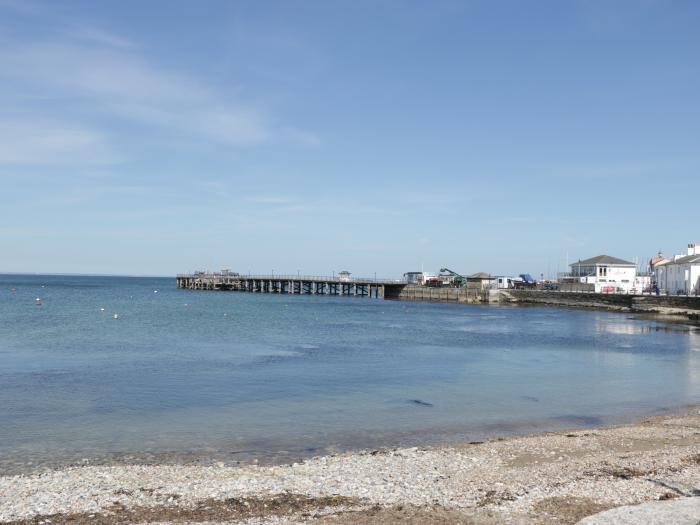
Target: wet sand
554,477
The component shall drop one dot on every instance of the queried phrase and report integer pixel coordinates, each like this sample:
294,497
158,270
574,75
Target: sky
160,137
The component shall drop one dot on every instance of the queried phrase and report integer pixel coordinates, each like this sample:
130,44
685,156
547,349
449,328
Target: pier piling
293,285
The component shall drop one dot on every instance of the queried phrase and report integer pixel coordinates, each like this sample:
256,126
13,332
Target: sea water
134,369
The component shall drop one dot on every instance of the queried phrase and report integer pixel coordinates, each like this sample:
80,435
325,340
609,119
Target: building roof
479,275
603,259
692,259
657,260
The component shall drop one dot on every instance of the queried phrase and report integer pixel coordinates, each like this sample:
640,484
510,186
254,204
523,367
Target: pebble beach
555,477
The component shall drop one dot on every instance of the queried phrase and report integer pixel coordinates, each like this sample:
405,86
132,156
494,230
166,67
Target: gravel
548,478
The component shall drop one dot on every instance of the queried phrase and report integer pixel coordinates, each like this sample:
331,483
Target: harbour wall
682,306
437,295
659,304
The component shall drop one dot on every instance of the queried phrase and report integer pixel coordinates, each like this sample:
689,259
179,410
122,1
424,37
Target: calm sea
202,376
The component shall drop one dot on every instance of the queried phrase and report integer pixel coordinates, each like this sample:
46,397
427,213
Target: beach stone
514,480
684,511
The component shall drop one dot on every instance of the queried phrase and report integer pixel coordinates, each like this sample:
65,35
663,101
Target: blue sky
162,137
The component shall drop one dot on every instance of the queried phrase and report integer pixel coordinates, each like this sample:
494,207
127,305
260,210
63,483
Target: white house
607,274
680,274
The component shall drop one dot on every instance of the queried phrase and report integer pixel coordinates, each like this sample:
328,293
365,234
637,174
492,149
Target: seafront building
481,281
680,275
656,263
607,274
416,278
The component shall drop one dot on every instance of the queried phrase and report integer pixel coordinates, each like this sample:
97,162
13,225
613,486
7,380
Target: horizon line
75,274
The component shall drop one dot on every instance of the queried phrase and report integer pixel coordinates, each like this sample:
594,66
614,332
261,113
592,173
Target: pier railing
292,277
326,278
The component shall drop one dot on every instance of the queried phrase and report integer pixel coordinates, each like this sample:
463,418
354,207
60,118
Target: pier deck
292,284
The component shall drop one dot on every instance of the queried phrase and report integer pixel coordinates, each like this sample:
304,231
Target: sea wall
441,295
657,304
662,304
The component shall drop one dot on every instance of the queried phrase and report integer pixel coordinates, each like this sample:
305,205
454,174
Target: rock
684,511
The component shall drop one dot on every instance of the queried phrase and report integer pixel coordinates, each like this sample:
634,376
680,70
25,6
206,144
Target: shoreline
542,478
691,317
679,308
27,464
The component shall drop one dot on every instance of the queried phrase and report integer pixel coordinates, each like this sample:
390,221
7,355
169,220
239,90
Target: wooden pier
292,284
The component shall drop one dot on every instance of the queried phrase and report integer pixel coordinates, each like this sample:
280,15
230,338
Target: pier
681,306
293,284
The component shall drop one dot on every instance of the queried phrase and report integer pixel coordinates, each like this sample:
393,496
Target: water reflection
631,326
693,365
694,340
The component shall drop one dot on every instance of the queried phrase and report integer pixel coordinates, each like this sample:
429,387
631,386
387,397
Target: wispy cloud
47,142
594,173
300,137
95,35
273,200
239,126
102,75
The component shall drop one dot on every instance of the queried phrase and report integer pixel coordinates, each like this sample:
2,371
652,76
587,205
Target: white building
680,274
503,282
414,277
642,283
607,274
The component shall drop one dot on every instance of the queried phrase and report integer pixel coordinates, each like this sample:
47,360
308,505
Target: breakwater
440,295
683,306
659,304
